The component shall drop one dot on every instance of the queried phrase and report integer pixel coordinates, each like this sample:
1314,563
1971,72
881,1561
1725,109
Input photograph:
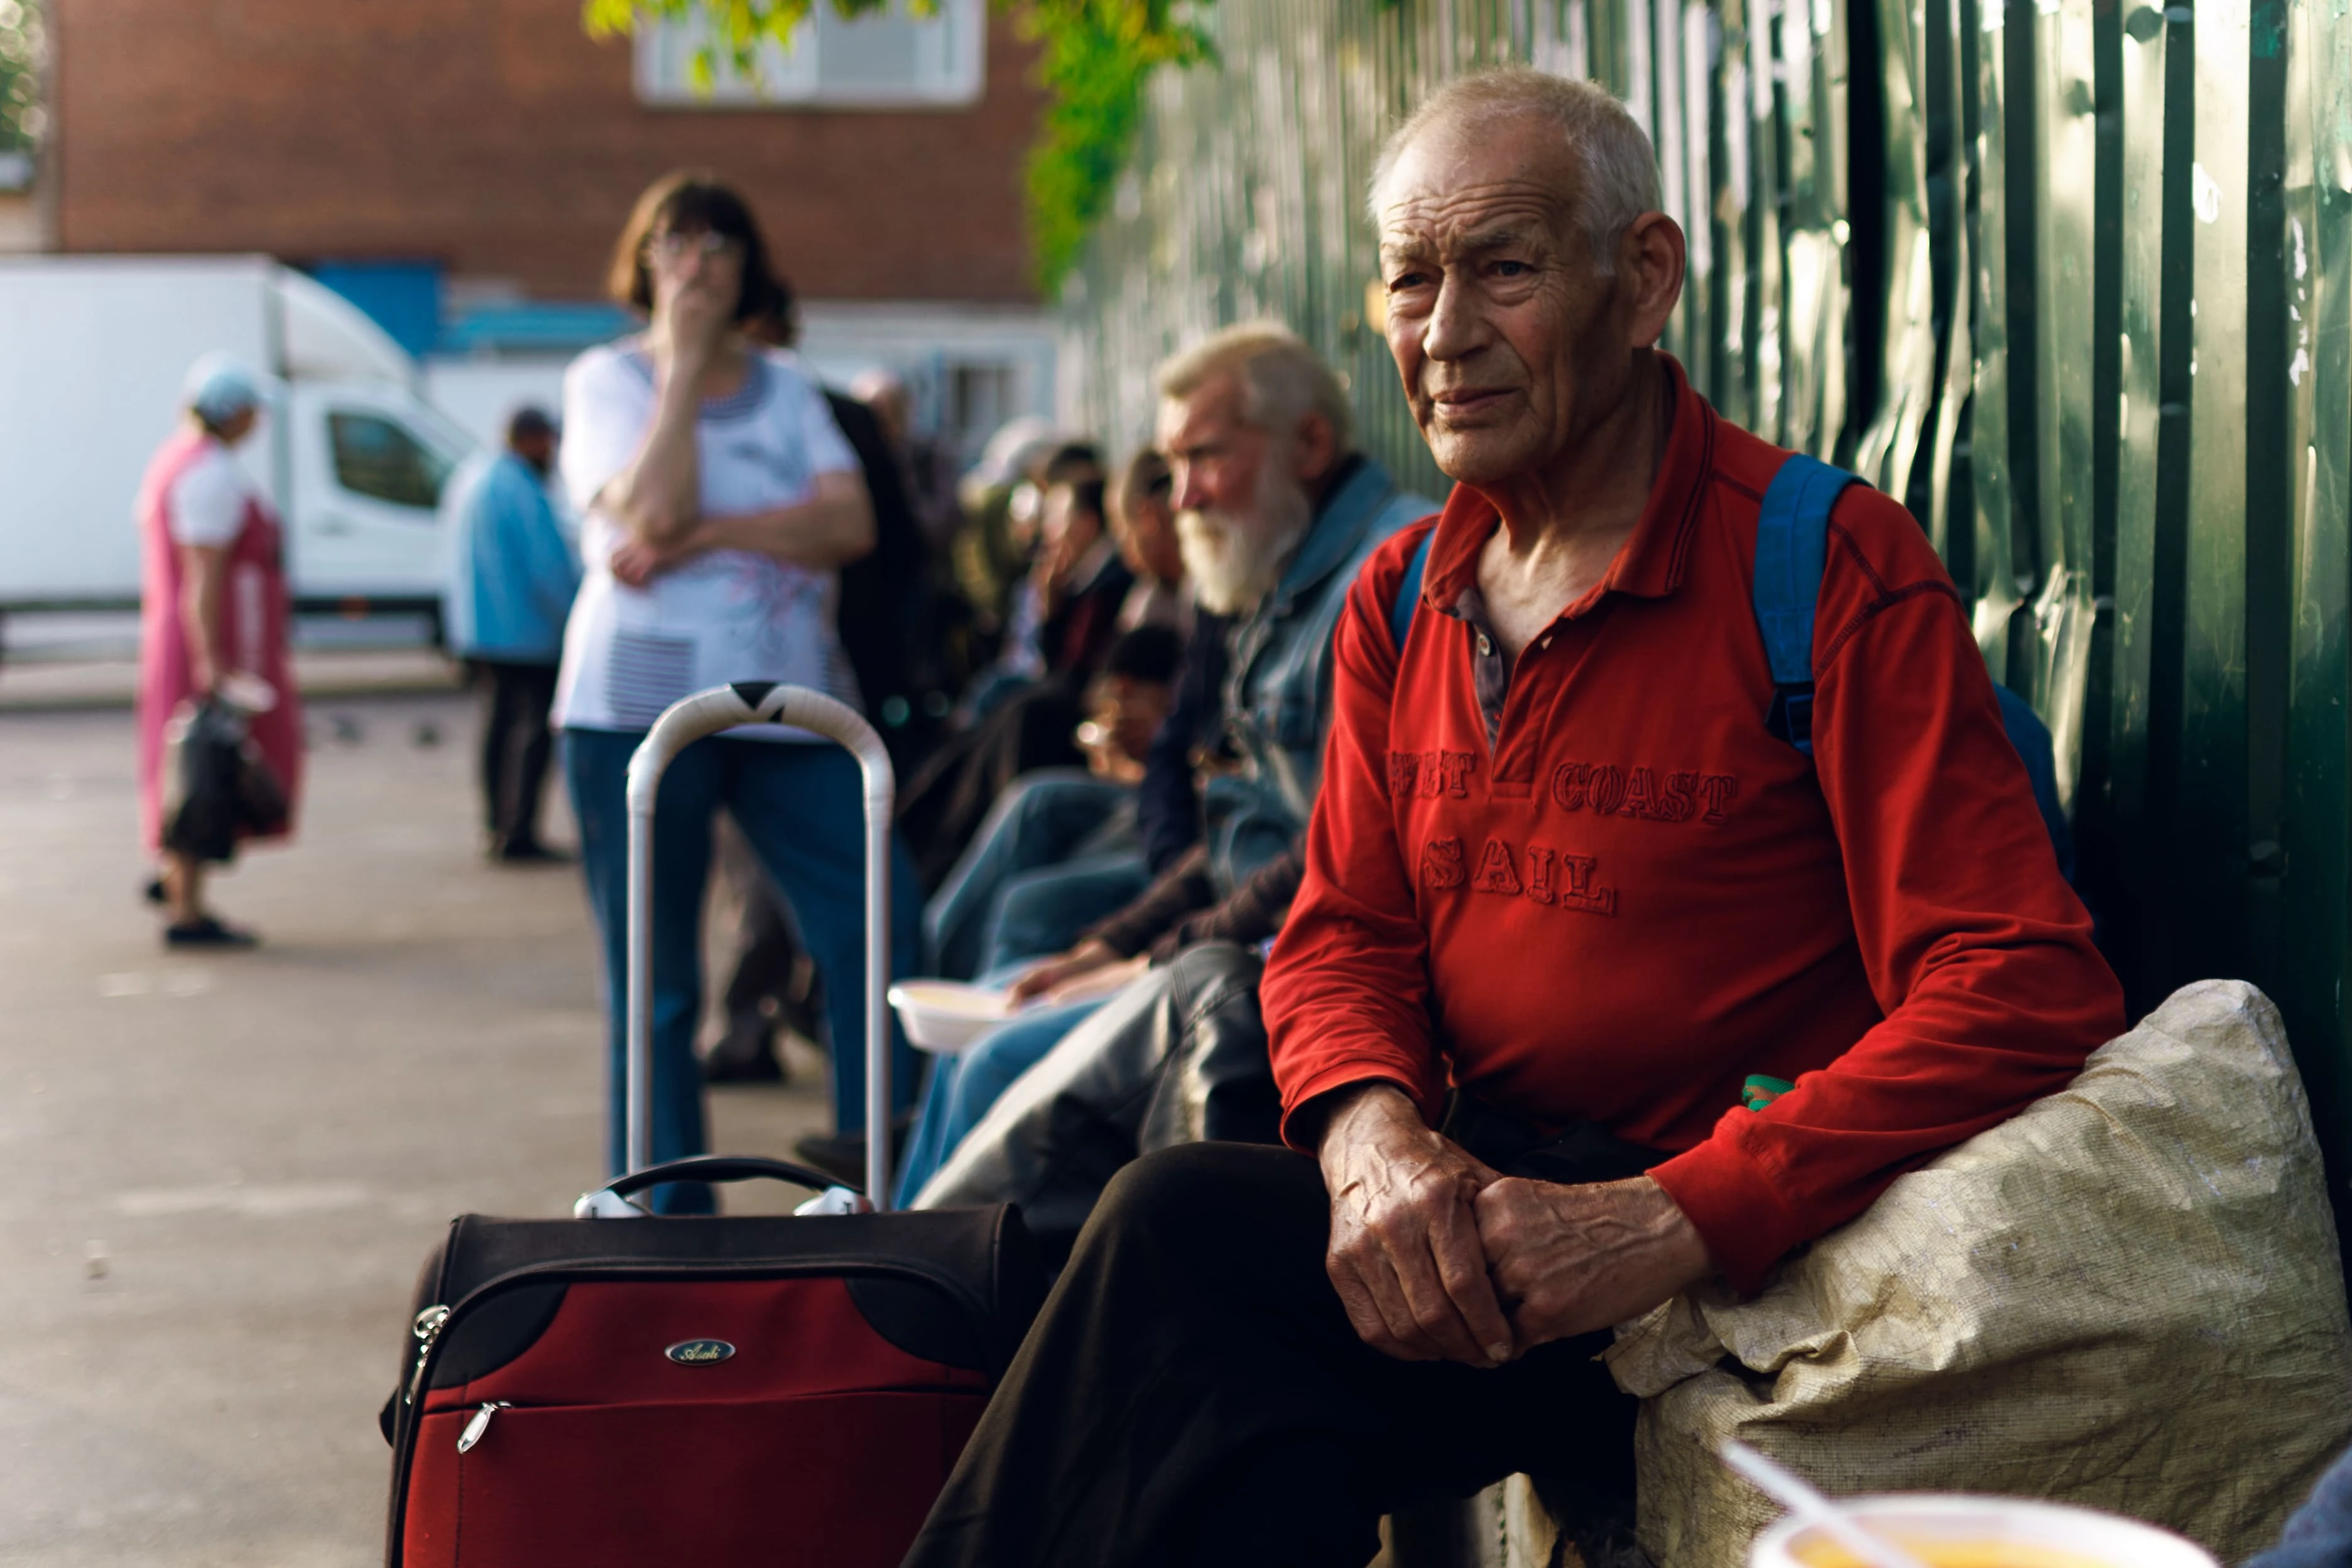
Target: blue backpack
1792,534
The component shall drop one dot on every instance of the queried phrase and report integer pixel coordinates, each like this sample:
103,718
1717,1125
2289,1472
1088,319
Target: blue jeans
800,806
964,1087
1042,912
1046,817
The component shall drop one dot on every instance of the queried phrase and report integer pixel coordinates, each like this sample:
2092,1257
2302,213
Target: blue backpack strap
1408,597
1792,531
2039,752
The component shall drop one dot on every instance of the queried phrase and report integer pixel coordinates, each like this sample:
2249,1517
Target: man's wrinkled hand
1567,1260
1405,1254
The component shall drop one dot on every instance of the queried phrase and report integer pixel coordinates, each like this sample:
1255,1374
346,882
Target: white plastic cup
1933,1525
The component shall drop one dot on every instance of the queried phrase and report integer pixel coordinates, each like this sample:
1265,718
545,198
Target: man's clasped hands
1437,1257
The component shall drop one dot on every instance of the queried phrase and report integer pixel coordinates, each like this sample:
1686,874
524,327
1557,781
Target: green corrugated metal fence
2073,277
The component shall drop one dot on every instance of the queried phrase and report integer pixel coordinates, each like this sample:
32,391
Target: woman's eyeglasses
708,244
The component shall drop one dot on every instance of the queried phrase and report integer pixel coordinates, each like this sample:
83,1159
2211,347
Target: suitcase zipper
427,1328
480,1424
434,1320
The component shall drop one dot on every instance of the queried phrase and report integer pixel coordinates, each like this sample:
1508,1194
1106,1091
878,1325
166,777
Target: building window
374,456
882,59
979,397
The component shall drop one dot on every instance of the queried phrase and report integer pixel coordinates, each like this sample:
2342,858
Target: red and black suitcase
617,1389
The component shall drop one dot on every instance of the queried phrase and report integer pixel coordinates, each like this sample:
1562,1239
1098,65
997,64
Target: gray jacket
1278,677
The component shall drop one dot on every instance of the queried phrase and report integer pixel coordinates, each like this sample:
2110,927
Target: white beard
1236,559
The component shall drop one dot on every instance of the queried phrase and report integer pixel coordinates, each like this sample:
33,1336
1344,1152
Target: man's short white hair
1282,380
1620,166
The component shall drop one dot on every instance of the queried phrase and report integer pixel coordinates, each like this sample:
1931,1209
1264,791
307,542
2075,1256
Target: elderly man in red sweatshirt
1567,897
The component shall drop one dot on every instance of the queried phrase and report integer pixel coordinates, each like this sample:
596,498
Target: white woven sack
2128,1295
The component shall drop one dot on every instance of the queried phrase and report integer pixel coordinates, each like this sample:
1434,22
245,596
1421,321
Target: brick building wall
494,137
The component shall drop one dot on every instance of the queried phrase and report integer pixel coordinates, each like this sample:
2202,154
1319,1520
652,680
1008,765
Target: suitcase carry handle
687,721
720,1168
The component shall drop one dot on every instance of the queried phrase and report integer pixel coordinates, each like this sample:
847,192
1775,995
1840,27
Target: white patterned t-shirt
728,615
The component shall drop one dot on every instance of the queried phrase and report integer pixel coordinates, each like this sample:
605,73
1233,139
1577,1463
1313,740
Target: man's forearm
1184,889
1348,1108
1248,915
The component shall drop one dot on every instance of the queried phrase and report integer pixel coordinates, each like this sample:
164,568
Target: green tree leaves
22,53
1095,57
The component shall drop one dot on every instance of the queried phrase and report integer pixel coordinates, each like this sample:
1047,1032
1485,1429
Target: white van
92,353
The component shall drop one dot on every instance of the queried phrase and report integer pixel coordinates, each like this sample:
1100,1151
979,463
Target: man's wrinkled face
1506,332
1241,507
1213,457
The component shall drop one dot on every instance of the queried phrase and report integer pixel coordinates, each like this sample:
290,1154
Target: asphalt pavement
219,1175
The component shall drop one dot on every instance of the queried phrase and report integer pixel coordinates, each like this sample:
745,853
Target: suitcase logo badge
699,1353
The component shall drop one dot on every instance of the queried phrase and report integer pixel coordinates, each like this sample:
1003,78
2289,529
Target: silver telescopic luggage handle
688,720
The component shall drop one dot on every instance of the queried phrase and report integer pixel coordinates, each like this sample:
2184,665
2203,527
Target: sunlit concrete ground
218,1175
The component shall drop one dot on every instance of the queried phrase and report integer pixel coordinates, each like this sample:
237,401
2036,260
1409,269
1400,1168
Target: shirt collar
1651,562
1356,490
739,404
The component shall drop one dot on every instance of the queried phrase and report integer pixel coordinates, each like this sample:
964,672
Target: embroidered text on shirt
1566,881
1428,774
1611,791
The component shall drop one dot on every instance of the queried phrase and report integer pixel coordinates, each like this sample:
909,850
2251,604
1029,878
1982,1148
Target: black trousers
515,701
767,949
1192,1393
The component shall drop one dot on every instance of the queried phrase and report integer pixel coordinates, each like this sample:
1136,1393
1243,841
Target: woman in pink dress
214,620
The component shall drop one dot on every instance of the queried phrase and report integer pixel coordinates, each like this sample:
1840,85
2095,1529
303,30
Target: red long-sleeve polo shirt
1633,896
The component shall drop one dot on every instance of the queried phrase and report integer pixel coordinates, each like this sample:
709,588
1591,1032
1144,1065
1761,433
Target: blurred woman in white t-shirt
720,502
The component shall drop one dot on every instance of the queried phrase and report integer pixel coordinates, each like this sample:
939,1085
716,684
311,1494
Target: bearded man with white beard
1276,514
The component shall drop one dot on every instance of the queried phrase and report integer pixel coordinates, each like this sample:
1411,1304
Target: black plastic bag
221,789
